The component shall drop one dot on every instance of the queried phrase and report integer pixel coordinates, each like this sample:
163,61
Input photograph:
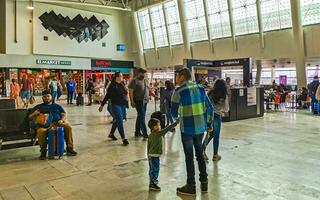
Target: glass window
310,11
218,14
159,26
290,73
173,21
276,14
245,16
196,22
145,29
311,72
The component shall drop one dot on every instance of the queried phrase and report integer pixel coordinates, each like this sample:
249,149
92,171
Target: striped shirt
191,105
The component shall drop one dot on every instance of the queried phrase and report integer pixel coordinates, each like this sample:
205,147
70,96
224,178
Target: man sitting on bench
58,119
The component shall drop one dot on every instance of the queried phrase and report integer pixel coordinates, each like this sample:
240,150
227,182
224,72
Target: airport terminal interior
159,99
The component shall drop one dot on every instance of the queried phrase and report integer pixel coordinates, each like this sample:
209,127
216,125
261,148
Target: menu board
252,96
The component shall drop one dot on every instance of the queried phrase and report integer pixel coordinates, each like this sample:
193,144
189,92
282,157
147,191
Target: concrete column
138,40
153,37
298,43
259,70
3,26
205,5
184,27
165,14
232,25
273,74
260,24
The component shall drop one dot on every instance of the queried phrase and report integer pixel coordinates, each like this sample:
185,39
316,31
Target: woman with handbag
219,98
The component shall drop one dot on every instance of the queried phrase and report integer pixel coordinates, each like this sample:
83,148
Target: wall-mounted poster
283,80
79,28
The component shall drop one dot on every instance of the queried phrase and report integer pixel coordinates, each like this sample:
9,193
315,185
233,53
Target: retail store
39,69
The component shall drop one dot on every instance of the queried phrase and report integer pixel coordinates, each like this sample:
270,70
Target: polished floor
271,158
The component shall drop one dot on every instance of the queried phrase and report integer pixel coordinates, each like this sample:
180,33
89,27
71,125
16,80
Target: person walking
71,87
219,98
53,85
15,91
313,86
117,93
26,88
90,90
139,92
167,100
193,108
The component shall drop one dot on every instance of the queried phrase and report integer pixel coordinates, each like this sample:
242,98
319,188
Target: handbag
32,100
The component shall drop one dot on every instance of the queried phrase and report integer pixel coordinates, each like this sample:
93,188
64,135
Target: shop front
40,69
102,70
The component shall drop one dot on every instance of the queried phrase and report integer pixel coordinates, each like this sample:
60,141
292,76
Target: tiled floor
272,158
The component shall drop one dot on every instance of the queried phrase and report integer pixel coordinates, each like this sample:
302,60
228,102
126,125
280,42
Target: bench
7,104
15,130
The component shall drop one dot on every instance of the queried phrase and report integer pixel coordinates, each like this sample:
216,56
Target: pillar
184,27
208,25
260,24
232,25
138,40
298,43
165,14
259,70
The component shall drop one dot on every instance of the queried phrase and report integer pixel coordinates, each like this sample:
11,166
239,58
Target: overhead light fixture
30,6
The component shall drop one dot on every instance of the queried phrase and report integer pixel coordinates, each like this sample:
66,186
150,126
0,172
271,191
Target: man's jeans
154,169
118,119
141,118
189,142
169,115
54,96
70,97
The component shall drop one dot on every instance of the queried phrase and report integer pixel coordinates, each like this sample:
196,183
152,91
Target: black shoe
204,187
71,152
125,142
71,103
112,137
137,134
154,187
43,155
145,136
187,190
89,104
51,157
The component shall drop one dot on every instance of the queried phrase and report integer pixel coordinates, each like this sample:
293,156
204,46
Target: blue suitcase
51,139
316,108
59,141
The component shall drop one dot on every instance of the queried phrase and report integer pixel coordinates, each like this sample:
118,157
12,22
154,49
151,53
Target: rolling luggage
80,99
56,144
316,109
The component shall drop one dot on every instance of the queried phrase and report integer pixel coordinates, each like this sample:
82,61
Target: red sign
103,63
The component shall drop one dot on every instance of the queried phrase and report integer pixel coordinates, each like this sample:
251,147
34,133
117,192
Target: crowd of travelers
186,103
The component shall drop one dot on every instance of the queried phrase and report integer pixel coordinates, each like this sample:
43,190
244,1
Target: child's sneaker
216,158
154,187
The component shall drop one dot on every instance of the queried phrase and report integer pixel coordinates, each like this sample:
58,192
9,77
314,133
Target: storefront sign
111,64
217,63
53,62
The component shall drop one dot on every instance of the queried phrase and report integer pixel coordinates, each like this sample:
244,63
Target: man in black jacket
117,94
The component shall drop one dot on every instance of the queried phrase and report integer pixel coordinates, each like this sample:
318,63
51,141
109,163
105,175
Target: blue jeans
118,120
70,97
189,142
313,100
169,115
141,118
154,169
54,95
109,108
215,135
